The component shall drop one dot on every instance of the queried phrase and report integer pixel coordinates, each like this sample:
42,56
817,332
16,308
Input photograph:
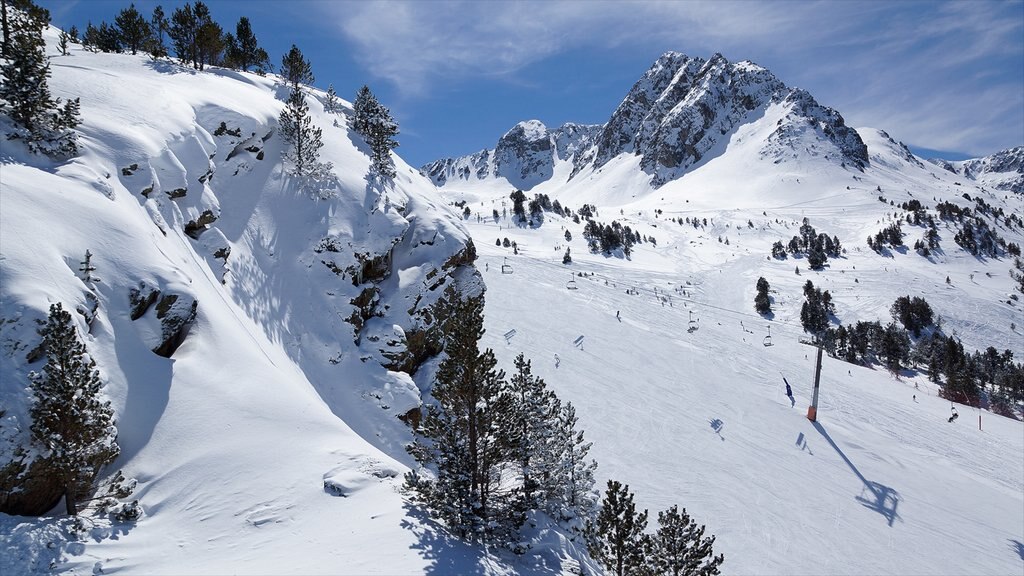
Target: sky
946,78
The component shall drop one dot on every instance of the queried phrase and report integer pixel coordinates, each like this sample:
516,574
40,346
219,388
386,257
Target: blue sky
946,78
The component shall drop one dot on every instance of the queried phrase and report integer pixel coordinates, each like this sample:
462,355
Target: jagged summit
681,112
1003,170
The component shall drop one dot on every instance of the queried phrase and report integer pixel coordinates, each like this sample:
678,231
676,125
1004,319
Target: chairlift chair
768,338
571,284
506,268
694,323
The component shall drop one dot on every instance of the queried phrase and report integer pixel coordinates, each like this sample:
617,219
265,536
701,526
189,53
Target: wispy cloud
943,76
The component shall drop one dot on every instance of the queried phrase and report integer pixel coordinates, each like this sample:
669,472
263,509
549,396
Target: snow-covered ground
234,439
882,483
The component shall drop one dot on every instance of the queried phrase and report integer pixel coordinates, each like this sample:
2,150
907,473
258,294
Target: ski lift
571,284
768,338
694,323
506,268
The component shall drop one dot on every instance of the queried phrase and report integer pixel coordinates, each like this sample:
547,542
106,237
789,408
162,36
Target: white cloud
944,76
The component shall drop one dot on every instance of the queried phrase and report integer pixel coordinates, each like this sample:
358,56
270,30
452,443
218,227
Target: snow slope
882,483
269,442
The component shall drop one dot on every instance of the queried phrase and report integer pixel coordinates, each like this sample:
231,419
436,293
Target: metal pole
812,410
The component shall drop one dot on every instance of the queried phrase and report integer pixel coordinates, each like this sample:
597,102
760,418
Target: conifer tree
70,422
243,51
295,68
465,437
184,35
679,547
574,478
761,301
331,100
63,41
374,122
158,26
209,37
535,422
43,123
132,28
297,129
617,537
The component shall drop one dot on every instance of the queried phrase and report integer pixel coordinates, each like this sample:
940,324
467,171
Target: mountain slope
882,483
265,435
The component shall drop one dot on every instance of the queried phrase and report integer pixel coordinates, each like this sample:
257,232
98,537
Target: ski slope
880,484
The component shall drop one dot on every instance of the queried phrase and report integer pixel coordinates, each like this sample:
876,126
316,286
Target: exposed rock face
525,155
176,316
1003,170
678,113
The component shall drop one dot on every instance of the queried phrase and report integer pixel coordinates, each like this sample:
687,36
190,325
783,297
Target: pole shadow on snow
1017,547
883,499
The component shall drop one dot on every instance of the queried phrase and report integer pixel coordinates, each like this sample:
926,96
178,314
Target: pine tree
466,436
575,473
43,123
63,41
617,537
209,37
158,26
331,101
679,547
133,29
761,301
297,129
243,51
86,267
374,122
70,421
295,68
535,422
184,34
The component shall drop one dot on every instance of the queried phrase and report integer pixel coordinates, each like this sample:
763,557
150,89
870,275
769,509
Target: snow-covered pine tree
87,268
360,109
42,122
132,28
576,499
70,421
465,438
616,538
374,122
303,138
242,50
295,68
679,547
331,101
535,425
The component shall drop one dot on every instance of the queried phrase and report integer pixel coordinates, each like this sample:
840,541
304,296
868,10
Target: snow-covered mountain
261,337
1003,170
265,426
680,113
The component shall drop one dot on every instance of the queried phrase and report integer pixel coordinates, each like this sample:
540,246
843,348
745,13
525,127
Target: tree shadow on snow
880,498
446,553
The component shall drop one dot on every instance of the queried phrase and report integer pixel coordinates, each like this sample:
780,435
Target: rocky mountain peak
678,114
